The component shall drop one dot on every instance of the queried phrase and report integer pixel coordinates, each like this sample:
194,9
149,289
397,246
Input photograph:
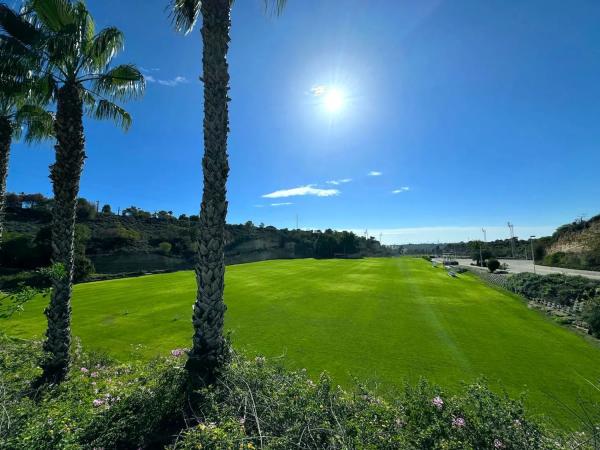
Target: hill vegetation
139,241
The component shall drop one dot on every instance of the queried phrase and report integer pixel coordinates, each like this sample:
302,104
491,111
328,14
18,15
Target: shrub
592,316
164,248
254,404
557,288
493,265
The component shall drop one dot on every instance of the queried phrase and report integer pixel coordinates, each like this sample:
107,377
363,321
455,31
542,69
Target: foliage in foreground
253,405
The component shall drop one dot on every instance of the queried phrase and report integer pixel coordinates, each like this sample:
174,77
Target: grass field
385,320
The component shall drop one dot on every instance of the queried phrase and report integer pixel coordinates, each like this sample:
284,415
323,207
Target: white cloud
303,190
282,204
401,190
338,182
152,69
374,173
170,83
174,82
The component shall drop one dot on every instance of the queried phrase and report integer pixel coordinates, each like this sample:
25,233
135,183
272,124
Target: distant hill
139,241
575,245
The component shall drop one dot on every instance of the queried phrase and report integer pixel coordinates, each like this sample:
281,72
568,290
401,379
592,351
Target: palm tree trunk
208,346
6,131
65,174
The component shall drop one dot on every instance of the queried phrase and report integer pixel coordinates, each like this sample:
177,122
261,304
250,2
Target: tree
85,210
208,343
164,248
74,63
106,210
22,102
493,265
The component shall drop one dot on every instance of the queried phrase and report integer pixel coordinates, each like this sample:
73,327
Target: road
522,265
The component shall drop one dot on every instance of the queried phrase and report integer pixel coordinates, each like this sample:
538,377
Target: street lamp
532,254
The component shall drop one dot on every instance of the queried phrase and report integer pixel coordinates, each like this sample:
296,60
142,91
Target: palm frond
17,27
184,14
105,109
54,14
103,47
123,82
38,123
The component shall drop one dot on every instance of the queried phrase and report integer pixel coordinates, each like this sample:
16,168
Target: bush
164,248
592,316
254,404
493,265
557,288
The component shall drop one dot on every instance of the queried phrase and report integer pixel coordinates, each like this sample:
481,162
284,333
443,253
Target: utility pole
480,255
297,227
532,254
97,206
511,227
484,235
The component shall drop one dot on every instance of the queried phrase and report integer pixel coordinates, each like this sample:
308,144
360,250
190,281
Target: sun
334,100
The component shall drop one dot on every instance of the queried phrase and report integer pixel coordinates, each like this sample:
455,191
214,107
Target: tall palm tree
208,343
22,103
74,62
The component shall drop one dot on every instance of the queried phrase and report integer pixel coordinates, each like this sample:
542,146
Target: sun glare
333,100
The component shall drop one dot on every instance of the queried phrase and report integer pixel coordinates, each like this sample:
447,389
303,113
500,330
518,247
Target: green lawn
385,320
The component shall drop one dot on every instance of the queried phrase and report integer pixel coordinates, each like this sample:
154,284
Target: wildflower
498,443
399,422
260,360
94,374
458,422
98,402
84,370
242,420
437,402
517,423
177,352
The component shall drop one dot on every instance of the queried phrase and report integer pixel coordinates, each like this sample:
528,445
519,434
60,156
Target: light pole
532,254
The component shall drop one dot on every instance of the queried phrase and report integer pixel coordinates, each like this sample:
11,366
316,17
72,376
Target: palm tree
74,62
22,103
208,343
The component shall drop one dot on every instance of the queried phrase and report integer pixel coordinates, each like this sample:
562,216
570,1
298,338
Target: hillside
139,241
575,245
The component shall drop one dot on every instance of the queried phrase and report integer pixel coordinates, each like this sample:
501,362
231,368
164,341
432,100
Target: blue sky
455,115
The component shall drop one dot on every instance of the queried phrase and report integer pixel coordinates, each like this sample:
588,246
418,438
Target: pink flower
98,402
498,443
94,374
437,402
84,370
177,352
458,422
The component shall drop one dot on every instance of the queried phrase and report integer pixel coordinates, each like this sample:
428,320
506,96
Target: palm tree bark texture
65,174
6,131
208,343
